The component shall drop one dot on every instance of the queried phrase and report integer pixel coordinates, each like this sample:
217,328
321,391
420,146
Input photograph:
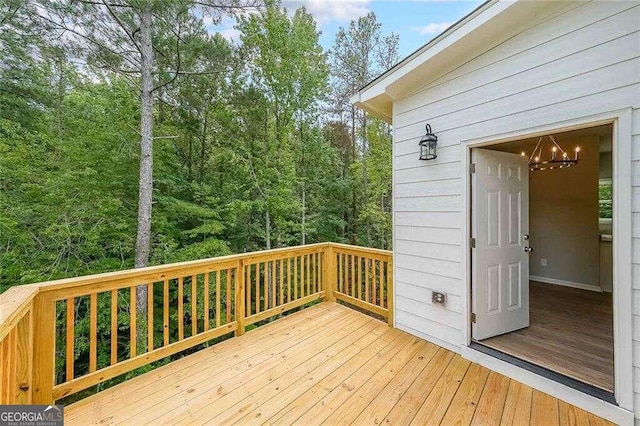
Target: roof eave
387,84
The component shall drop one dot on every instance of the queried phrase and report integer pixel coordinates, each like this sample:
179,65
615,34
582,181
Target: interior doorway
542,269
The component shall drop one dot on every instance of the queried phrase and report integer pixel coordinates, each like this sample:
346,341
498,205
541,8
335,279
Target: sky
416,21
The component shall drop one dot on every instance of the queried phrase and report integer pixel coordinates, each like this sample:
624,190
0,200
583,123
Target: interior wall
563,221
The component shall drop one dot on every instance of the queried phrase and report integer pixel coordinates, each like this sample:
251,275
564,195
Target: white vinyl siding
583,61
635,140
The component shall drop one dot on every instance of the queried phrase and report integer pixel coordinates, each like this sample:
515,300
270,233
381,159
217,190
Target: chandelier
559,158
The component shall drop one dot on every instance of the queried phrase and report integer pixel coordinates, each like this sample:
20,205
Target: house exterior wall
583,61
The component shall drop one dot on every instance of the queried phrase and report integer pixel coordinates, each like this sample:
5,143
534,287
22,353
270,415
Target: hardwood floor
571,332
326,364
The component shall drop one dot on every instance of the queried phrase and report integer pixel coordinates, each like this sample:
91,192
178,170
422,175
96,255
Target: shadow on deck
325,364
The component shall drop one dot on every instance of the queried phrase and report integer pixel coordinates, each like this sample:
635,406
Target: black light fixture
428,145
538,162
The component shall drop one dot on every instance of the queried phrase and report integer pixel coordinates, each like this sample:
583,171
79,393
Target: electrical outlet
543,262
438,298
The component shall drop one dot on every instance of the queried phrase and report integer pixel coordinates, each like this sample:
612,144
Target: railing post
390,294
24,368
329,273
44,329
240,308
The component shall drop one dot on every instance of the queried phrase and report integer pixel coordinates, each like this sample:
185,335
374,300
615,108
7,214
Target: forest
244,145
132,134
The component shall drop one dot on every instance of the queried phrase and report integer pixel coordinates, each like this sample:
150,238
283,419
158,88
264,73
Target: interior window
605,199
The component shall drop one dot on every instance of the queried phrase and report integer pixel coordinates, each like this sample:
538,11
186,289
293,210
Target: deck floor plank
330,365
439,399
183,384
310,361
362,397
228,388
465,401
252,346
294,409
491,403
517,407
386,399
278,398
332,402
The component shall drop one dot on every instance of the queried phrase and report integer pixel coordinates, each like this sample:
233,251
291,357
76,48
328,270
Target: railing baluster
93,333
281,284
295,278
273,283
258,277
218,298
338,260
375,282
194,305
150,317
71,314
248,291
359,277
353,276
132,325
367,293
289,279
114,327
165,312
206,295
383,290
265,284
307,281
228,306
240,289
180,308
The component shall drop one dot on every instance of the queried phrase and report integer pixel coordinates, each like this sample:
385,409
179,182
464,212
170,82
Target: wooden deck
326,364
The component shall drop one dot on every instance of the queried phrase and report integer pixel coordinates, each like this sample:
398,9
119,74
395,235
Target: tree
359,53
289,67
124,36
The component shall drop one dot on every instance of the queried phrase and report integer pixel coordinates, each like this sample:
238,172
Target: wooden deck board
324,365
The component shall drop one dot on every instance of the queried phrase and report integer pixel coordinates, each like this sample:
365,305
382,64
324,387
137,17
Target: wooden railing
43,326
363,277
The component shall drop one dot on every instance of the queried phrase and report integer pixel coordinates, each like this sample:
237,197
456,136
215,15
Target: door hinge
472,242
472,168
473,317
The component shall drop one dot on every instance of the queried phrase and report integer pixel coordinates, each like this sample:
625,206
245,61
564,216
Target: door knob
528,249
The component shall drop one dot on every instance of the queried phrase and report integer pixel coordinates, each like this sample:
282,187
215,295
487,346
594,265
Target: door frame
622,244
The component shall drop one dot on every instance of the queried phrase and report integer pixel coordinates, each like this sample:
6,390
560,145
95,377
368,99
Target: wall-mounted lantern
428,145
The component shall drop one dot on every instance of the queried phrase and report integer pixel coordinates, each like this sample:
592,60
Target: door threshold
583,387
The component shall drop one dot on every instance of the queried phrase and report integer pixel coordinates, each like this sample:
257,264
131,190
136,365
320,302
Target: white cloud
231,34
432,28
325,11
225,28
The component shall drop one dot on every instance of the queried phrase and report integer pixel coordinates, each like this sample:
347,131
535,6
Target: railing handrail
169,268
28,312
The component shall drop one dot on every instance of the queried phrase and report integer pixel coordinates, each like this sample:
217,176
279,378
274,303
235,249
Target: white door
500,259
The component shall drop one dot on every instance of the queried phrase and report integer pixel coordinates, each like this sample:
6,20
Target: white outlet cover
543,262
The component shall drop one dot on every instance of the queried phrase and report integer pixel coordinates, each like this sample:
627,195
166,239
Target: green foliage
244,156
605,197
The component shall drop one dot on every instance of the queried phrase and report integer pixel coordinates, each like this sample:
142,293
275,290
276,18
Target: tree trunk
145,184
365,176
268,228
267,269
354,201
304,215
